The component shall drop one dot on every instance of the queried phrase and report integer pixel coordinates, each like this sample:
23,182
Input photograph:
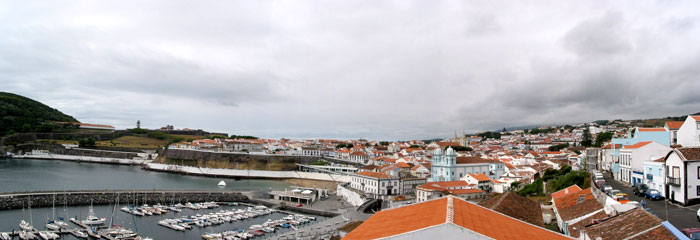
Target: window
697,190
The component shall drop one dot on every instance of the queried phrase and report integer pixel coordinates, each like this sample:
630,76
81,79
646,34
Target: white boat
24,225
48,235
51,225
222,184
92,219
26,235
5,236
79,234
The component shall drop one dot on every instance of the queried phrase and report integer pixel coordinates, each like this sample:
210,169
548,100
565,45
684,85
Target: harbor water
23,175
147,226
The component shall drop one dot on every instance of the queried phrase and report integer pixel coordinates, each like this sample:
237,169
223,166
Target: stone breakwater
72,198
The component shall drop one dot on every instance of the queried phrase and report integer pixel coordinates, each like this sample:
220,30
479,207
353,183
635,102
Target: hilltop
22,114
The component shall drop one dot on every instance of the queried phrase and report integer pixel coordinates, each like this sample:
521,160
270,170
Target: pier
81,198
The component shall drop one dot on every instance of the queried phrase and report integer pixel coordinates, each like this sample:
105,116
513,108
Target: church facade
445,166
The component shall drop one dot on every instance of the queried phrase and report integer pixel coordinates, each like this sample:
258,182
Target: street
681,217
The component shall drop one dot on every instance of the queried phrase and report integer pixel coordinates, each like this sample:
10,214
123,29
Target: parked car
652,194
697,215
622,198
692,233
599,183
613,192
606,188
639,189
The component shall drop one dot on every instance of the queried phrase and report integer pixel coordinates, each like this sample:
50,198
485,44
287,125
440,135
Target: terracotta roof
688,153
637,145
464,191
575,229
628,224
473,160
401,220
374,174
470,216
673,125
571,189
514,205
651,129
402,165
480,177
697,118
609,146
447,144
443,185
569,206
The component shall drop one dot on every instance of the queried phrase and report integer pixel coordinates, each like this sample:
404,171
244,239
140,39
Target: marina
207,220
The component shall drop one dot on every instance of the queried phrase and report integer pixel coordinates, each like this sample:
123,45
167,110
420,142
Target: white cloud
373,69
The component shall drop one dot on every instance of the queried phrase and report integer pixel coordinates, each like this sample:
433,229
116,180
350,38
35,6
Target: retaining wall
240,173
18,201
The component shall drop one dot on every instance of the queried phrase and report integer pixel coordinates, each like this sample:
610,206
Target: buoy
222,183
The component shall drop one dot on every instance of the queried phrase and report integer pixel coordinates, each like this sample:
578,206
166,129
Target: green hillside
21,114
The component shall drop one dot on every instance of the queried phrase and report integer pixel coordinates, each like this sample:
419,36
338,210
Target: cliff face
233,160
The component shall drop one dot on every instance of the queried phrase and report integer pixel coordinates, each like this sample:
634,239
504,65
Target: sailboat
222,184
24,225
51,224
92,219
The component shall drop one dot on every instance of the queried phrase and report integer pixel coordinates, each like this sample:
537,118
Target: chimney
581,198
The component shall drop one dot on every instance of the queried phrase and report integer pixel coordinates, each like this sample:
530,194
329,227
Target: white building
683,175
632,159
688,133
383,185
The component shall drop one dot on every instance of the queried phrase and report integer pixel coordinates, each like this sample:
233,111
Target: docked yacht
5,236
48,235
26,235
92,219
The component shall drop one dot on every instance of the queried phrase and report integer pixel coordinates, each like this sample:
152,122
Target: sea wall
233,160
240,173
72,198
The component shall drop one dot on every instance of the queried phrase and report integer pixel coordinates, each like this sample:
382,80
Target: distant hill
21,114
659,122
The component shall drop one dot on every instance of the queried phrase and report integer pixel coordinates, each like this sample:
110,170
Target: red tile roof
697,118
374,174
674,124
651,129
443,185
464,191
480,177
566,191
637,145
470,216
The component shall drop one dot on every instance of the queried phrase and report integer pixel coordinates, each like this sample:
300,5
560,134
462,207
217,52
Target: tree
86,142
586,142
558,147
602,138
414,146
460,148
26,128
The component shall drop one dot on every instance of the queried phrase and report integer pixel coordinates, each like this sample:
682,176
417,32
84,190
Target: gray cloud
345,69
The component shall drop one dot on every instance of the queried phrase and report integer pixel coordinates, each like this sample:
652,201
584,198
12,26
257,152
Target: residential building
482,181
632,159
654,174
571,208
382,185
689,132
310,151
461,189
659,135
683,175
672,128
447,218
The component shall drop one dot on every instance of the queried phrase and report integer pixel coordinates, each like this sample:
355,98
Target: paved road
679,216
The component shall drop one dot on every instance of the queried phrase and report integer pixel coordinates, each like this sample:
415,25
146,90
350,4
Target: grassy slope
16,111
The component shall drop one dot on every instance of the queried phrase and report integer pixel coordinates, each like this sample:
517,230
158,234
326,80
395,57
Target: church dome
437,151
450,151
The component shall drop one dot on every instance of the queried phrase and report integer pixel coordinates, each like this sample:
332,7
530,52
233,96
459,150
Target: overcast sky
383,70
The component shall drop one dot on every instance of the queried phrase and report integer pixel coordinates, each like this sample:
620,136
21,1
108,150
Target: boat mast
31,221
53,206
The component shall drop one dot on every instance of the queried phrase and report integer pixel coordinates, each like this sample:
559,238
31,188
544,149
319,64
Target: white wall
351,197
688,133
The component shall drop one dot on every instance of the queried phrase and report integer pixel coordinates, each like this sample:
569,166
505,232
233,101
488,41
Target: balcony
650,177
673,181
